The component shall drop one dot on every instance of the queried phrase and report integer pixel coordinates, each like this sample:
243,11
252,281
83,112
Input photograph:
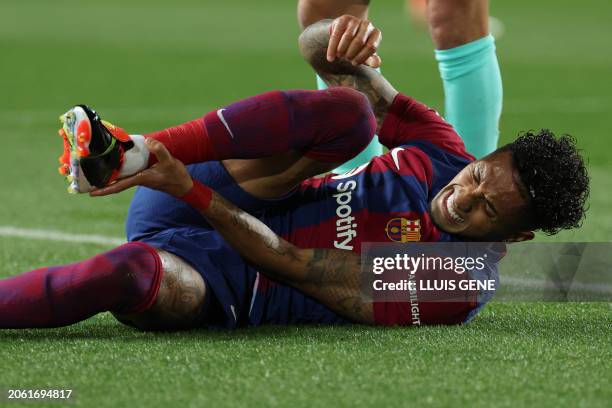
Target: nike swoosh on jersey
394,154
222,119
351,172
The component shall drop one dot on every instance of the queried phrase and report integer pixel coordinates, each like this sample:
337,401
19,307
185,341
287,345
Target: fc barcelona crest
403,230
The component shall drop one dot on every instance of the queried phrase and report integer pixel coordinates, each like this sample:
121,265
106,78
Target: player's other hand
168,175
354,40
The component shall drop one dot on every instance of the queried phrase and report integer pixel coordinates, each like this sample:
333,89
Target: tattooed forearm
334,277
253,239
329,275
313,45
330,265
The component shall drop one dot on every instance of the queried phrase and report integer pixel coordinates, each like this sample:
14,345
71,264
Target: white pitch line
54,235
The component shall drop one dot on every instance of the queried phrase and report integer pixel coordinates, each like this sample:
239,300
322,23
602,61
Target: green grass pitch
150,64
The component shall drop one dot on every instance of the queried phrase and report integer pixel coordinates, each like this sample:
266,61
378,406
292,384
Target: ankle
136,158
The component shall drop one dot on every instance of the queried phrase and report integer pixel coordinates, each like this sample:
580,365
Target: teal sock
372,150
473,93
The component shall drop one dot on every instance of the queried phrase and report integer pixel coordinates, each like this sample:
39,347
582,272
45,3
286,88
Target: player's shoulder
410,122
422,160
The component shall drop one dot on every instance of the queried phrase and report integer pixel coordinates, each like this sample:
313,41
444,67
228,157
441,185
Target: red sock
187,142
333,126
125,279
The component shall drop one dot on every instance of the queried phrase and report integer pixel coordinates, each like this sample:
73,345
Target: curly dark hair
555,179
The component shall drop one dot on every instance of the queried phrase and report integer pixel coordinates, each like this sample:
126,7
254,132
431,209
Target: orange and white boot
94,150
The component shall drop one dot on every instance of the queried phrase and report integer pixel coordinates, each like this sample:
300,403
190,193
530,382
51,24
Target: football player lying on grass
246,235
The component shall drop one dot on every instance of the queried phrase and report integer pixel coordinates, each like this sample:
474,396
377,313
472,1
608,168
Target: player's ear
521,236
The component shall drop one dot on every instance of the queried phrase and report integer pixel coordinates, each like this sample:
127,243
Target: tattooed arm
329,275
353,40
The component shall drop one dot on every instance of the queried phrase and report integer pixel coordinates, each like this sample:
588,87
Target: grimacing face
484,201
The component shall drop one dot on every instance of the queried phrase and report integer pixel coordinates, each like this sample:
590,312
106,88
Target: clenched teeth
450,205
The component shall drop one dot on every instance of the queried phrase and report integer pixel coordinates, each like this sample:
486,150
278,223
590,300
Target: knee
351,98
363,125
456,22
357,109
133,270
355,123
137,269
178,301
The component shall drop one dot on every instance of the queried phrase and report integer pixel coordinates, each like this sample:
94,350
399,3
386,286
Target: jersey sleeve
430,313
444,306
409,122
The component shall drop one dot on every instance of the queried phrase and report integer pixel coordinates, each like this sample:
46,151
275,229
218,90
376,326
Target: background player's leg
456,22
469,69
311,11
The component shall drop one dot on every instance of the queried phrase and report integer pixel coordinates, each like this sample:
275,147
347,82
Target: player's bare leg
276,176
457,22
179,301
311,11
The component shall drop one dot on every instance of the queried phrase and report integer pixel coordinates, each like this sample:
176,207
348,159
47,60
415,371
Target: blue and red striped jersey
384,200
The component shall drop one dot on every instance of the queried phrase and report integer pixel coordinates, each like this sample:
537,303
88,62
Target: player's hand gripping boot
93,149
